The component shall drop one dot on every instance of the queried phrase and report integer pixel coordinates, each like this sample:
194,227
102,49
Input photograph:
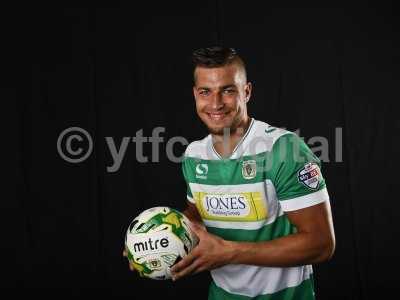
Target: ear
248,91
194,92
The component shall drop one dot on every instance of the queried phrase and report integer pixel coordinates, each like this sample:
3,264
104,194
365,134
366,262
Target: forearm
293,250
191,213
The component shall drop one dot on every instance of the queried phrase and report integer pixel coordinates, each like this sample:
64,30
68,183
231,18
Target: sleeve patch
310,175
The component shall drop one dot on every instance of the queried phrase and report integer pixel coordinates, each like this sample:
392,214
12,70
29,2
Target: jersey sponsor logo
310,175
246,206
227,205
249,169
201,171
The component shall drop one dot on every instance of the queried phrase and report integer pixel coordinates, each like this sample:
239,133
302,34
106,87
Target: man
256,196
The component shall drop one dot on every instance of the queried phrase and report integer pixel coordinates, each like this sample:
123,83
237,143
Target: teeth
217,116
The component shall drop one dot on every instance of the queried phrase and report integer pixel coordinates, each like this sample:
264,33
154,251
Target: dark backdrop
114,70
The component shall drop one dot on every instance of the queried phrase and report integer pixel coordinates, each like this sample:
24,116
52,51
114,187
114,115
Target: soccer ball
158,238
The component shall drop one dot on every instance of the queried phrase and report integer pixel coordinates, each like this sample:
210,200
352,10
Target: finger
131,267
186,261
186,271
125,252
199,269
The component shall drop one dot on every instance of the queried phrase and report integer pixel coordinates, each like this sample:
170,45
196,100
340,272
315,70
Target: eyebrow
224,87
228,86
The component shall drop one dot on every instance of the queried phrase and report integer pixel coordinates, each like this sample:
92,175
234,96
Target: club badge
249,169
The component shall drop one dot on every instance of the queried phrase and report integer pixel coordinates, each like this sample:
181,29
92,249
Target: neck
225,144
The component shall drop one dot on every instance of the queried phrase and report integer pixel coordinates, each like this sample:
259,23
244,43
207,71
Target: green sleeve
296,171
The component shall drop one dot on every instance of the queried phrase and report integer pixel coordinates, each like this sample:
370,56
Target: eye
229,91
204,92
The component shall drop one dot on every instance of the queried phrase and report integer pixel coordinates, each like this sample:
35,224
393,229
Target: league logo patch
310,175
249,169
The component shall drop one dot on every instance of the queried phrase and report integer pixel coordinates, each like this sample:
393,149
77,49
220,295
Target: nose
216,101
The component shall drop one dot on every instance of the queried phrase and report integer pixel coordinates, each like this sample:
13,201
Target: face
221,96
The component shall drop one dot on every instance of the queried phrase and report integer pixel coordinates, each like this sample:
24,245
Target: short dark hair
214,57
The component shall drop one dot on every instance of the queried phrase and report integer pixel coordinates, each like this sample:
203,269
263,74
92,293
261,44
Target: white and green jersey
245,197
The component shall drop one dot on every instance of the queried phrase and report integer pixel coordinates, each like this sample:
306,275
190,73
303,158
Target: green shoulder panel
295,169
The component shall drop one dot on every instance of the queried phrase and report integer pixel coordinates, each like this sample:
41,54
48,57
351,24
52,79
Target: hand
211,252
125,254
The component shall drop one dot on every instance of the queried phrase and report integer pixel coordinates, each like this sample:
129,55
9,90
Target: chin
216,130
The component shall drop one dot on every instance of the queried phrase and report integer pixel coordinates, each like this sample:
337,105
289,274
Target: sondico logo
232,205
201,171
148,245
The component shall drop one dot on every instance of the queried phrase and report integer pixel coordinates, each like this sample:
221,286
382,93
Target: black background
120,68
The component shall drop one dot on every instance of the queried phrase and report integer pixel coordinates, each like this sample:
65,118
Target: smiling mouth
216,116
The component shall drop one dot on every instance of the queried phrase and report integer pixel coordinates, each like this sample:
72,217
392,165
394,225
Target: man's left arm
313,242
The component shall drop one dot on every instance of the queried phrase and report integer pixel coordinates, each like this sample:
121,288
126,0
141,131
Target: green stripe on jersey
280,227
224,171
304,291
284,166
